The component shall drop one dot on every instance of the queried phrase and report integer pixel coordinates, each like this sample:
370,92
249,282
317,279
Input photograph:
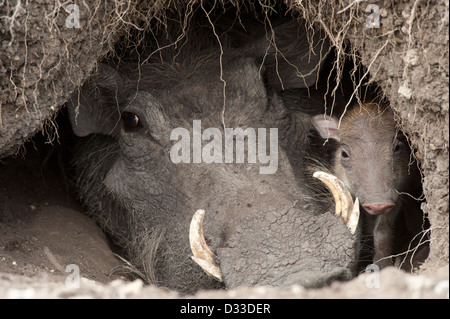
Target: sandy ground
42,229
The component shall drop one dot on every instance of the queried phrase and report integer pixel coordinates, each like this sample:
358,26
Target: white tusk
354,217
203,256
345,208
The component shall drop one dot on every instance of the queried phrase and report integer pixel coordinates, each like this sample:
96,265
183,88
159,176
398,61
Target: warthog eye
345,152
130,120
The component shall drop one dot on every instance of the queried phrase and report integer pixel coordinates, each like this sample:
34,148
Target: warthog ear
327,126
292,56
94,107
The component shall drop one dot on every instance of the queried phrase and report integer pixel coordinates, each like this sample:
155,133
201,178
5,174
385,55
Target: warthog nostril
378,209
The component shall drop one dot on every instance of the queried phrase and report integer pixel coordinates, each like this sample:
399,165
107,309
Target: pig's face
148,171
146,179
372,157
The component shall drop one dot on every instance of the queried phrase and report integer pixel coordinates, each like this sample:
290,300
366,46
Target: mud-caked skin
263,228
373,159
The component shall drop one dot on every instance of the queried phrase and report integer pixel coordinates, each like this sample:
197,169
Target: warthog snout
378,209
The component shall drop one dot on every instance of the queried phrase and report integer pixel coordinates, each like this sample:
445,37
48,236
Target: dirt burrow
43,62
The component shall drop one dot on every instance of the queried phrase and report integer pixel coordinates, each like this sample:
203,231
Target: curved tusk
341,195
203,256
345,207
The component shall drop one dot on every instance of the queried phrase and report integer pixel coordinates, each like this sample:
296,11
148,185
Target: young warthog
373,160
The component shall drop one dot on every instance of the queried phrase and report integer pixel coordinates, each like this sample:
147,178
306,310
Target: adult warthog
252,226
